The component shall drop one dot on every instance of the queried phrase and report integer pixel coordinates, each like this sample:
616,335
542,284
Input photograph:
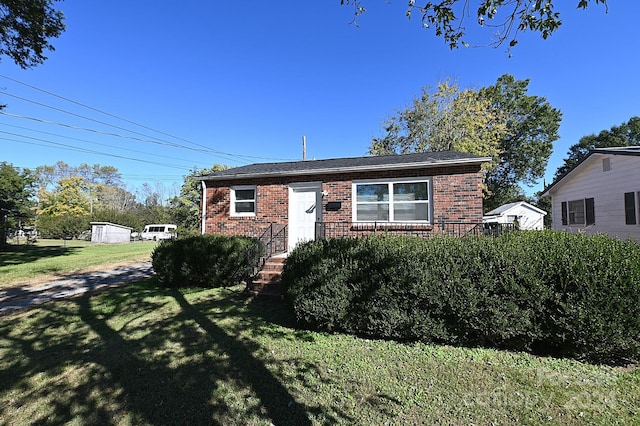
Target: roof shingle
423,159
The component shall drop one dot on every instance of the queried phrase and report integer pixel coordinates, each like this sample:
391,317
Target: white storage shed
105,232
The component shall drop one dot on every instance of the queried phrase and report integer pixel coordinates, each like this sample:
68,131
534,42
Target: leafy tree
532,126
185,208
103,185
499,121
16,198
626,134
93,175
27,27
447,118
503,18
64,212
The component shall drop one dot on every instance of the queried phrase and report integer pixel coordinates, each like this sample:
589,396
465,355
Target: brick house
416,193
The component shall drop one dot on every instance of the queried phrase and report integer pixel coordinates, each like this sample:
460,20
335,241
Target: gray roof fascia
622,150
347,169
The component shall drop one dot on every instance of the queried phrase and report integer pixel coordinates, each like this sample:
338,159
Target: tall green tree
96,174
65,211
532,127
500,121
626,134
444,118
185,208
16,198
27,26
503,19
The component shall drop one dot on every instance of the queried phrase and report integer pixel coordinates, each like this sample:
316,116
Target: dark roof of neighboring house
354,164
618,150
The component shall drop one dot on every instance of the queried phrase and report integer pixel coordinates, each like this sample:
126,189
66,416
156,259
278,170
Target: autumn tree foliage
502,121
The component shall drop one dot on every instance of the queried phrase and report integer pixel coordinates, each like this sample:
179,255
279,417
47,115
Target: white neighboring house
601,194
524,214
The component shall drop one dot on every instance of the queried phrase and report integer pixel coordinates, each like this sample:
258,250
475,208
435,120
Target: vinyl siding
607,188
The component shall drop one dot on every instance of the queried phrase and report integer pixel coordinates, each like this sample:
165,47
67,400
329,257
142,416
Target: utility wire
159,141
127,121
96,143
89,151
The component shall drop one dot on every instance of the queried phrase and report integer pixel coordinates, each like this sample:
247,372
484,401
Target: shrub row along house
601,194
417,193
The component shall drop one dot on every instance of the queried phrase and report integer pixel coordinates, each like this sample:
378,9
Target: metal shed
105,232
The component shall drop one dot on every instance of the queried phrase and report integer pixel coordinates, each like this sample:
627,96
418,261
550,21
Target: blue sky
238,83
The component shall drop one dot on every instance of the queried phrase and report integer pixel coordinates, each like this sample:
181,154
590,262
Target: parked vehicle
157,232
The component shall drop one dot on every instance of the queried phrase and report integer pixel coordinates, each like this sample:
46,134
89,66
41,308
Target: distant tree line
61,200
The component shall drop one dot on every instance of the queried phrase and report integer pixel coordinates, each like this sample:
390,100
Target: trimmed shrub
201,261
546,292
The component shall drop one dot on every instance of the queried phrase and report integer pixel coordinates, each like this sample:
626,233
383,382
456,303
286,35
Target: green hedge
546,292
201,261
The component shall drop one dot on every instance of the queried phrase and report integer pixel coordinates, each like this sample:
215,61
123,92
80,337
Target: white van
158,232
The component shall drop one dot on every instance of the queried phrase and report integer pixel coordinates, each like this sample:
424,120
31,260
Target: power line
158,141
89,151
96,143
237,156
70,126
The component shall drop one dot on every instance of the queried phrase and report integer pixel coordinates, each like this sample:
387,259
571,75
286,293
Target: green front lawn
22,263
145,355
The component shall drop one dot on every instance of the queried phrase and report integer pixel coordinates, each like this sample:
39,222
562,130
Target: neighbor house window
392,201
630,216
578,212
243,201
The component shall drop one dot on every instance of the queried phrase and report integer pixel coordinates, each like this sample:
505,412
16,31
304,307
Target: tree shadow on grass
133,356
19,254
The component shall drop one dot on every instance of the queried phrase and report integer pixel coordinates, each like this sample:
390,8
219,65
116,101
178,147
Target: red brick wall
456,197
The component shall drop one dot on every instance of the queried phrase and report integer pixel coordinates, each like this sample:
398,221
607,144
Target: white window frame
571,213
390,183
232,208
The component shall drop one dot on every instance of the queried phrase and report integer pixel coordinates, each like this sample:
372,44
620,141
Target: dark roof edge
329,170
623,150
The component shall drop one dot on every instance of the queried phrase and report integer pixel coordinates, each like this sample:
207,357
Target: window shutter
630,208
564,212
590,211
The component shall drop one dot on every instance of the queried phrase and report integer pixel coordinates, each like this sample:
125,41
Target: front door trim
294,233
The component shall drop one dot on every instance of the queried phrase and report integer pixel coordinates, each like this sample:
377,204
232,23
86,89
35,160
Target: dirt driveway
28,295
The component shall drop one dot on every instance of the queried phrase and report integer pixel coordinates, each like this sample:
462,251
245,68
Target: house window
243,201
606,164
578,212
392,201
630,216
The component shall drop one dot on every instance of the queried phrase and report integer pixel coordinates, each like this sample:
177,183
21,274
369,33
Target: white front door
305,209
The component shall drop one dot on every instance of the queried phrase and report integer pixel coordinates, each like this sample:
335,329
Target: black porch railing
272,241
457,229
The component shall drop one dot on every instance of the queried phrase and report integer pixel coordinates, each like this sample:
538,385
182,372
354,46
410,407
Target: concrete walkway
24,296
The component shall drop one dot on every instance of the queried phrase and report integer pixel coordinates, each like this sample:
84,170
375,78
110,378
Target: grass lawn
23,263
144,355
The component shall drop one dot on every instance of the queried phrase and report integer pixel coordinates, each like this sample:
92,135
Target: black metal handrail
352,229
272,241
